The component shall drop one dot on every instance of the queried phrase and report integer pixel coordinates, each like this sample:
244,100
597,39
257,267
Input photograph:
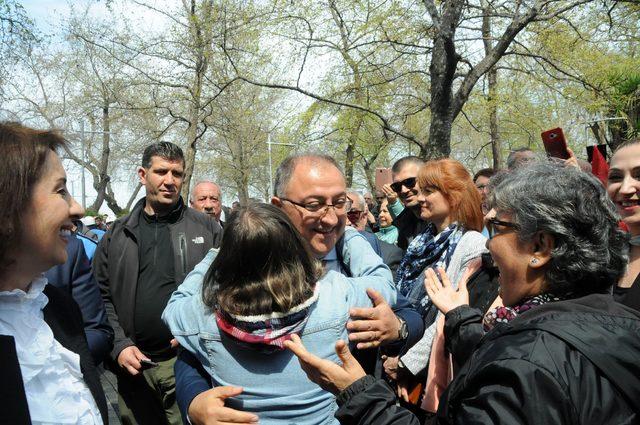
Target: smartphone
383,176
555,144
148,364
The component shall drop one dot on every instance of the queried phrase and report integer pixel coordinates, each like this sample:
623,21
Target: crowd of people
445,297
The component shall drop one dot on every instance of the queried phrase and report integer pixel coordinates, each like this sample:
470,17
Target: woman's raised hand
443,294
328,375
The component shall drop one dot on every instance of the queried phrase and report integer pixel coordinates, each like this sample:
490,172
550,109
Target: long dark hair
263,266
23,151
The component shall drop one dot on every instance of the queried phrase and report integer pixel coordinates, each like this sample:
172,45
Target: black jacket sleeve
101,273
63,316
370,401
462,332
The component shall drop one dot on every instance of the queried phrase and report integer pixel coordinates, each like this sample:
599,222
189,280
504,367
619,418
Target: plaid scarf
267,331
506,314
426,250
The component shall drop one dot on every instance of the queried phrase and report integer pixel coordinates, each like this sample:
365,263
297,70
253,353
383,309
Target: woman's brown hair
451,179
264,265
23,151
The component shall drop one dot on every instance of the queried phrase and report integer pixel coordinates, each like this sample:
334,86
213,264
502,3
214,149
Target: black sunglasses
408,183
493,222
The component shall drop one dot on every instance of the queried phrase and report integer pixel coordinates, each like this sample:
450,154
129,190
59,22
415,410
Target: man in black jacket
405,184
140,261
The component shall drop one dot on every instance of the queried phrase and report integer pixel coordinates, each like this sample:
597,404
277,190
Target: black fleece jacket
116,263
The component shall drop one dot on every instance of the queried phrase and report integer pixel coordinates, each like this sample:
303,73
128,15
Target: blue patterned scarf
428,249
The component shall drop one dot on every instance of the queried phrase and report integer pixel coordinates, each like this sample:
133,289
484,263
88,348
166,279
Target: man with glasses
311,190
404,207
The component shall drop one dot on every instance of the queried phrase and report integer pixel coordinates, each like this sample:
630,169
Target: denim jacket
274,385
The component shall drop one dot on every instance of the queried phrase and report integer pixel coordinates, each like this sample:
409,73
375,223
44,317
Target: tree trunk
494,134
444,60
100,181
190,154
197,28
351,147
369,175
492,79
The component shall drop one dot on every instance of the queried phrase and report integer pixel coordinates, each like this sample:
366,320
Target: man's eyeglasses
493,222
340,206
409,183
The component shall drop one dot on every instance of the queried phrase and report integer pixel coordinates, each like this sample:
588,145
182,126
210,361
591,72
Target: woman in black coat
46,369
561,351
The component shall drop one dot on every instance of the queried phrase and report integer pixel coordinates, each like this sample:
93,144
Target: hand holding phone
383,177
147,364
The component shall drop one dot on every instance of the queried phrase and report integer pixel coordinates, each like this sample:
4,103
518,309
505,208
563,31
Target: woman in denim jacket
235,310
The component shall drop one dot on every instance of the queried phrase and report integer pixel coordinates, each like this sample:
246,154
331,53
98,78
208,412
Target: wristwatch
403,331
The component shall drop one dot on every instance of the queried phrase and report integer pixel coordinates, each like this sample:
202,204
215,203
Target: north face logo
198,239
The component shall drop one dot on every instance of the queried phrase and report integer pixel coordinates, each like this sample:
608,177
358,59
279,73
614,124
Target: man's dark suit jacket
76,279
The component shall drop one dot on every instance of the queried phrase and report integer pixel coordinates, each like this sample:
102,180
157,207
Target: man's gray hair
201,182
359,198
286,167
513,157
591,252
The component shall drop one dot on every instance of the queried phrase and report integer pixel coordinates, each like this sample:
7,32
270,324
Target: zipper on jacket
182,241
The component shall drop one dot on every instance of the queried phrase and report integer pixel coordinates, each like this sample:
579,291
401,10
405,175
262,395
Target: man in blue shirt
311,190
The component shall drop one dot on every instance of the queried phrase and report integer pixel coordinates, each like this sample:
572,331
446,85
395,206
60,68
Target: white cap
88,221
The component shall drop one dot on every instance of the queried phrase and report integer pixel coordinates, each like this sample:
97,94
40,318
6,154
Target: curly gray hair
591,252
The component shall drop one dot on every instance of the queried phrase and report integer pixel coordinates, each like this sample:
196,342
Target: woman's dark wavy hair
24,152
263,266
591,252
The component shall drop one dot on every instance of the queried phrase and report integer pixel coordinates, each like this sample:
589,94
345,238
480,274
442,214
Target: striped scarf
267,331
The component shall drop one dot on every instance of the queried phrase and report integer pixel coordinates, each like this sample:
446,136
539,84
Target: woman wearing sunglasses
560,351
449,202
